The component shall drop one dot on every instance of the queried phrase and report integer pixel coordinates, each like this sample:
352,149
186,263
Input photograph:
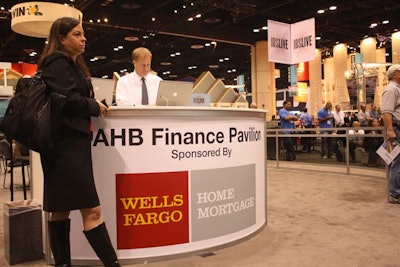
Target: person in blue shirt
307,122
287,119
325,119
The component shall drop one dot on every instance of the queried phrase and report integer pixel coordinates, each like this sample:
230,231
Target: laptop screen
3,107
174,93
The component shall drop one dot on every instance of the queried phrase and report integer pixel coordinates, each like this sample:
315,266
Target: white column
329,79
340,93
396,48
380,58
368,49
264,79
315,95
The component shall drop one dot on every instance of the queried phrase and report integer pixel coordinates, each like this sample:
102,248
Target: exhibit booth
173,181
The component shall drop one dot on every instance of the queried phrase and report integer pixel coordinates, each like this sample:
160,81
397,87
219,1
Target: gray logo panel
222,201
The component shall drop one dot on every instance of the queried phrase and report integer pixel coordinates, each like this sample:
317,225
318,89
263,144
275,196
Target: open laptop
103,89
174,93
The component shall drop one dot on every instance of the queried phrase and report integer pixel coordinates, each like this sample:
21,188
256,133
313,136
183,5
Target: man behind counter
141,86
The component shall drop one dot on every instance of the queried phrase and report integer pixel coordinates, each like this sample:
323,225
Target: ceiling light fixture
131,38
332,7
321,11
197,46
212,20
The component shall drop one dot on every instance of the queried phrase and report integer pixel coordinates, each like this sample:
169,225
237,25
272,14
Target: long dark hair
60,28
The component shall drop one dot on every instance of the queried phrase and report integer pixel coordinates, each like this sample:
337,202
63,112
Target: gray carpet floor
318,215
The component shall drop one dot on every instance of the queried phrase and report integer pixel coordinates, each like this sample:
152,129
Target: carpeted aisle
317,216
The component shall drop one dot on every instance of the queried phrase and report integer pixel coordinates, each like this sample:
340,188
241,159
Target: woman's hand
103,108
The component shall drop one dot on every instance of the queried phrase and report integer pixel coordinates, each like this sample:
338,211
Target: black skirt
68,173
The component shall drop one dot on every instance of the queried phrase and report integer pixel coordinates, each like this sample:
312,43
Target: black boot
59,242
100,241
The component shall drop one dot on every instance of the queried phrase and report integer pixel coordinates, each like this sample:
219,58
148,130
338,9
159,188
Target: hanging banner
35,18
278,42
370,86
292,74
352,90
301,93
303,41
303,73
291,43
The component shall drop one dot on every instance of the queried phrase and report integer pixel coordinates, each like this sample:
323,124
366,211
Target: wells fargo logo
152,209
23,11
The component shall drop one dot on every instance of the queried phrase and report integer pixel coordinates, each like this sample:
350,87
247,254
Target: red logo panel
152,209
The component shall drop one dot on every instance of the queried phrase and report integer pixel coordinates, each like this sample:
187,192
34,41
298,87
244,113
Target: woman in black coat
68,173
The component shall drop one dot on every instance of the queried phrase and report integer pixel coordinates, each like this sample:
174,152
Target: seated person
356,139
371,144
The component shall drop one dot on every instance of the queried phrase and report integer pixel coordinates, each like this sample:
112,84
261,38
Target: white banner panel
303,41
279,42
291,43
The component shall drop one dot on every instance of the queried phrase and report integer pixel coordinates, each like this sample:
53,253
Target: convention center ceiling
189,37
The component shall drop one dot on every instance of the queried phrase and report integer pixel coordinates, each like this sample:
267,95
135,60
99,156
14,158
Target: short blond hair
141,52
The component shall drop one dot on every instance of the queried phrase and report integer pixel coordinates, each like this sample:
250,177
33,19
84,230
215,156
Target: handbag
31,117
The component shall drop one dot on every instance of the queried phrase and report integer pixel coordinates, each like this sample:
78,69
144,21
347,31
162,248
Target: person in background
363,115
68,174
340,141
347,118
371,144
390,109
338,117
373,113
139,87
287,119
325,119
307,122
356,139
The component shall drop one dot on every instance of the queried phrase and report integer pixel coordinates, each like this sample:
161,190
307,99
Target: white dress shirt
339,118
129,89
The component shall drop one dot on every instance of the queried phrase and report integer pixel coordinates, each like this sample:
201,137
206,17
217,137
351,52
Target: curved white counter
176,180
